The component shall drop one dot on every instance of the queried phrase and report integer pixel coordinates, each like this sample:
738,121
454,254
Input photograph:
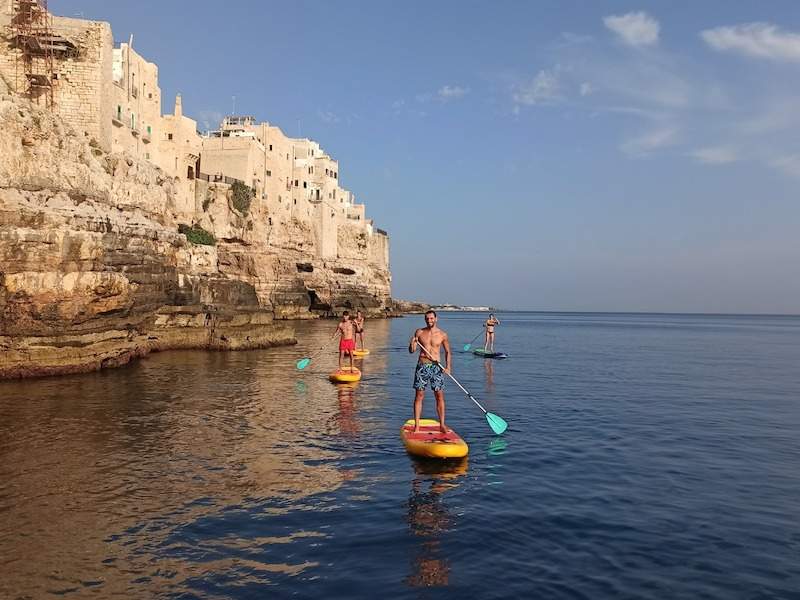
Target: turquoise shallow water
648,456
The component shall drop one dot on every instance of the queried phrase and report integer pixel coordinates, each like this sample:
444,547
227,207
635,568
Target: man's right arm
412,344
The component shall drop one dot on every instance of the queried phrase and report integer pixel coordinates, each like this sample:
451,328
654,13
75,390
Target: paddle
304,362
498,424
468,346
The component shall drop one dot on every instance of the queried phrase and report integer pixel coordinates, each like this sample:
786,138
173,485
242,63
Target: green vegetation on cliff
197,235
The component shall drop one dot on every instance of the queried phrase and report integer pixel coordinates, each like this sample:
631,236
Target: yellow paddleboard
345,375
430,442
360,352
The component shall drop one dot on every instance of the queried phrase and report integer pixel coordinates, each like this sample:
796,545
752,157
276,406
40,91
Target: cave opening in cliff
305,268
315,303
344,271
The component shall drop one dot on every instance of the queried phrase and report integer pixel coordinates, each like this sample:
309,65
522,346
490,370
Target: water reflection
120,464
346,417
429,518
488,368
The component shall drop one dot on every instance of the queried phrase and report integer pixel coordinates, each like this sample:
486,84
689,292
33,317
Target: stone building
136,102
295,178
112,97
78,75
178,153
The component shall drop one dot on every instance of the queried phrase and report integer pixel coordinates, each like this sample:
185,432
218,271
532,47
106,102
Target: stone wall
82,88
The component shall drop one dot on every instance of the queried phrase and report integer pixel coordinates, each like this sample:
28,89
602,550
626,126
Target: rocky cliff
94,270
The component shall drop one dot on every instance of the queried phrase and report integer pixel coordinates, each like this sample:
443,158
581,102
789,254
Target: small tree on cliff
242,196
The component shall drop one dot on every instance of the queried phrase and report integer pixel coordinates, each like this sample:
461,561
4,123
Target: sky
542,155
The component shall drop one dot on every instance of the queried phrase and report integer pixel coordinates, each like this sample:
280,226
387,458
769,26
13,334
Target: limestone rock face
93,270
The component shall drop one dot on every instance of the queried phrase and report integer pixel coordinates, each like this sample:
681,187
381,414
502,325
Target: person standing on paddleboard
359,323
488,345
347,343
429,368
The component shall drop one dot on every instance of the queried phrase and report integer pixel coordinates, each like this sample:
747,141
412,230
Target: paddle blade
498,424
467,347
303,363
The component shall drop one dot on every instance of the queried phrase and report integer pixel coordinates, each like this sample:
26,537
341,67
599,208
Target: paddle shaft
475,338
325,345
463,389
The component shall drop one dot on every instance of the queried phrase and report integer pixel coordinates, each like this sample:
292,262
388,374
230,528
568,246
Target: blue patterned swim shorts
428,373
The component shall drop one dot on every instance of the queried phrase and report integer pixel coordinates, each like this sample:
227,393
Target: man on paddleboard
347,343
429,369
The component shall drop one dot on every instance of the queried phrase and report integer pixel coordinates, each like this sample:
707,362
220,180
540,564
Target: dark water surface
648,456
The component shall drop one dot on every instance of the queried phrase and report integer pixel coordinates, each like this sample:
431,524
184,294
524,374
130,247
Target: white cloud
209,119
635,28
789,164
715,155
542,89
327,116
644,145
760,40
454,92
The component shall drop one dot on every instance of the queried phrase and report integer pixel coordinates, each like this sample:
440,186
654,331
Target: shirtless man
429,370
359,323
488,345
347,344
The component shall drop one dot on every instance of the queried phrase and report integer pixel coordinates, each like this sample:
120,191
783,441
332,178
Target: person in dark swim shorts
429,370
428,374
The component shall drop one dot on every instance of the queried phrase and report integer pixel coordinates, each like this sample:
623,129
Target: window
269,219
147,155
336,175
169,136
119,113
295,201
296,183
326,171
190,172
269,173
305,185
133,121
149,130
270,147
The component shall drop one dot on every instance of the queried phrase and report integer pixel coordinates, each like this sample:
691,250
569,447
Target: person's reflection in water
488,367
346,417
429,518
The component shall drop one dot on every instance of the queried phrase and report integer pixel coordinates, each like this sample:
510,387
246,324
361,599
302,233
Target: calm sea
648,456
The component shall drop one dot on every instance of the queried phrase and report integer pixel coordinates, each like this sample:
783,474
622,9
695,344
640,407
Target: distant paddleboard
363,352
430,442
482,353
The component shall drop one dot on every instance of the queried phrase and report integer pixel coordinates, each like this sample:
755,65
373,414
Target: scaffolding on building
37,48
